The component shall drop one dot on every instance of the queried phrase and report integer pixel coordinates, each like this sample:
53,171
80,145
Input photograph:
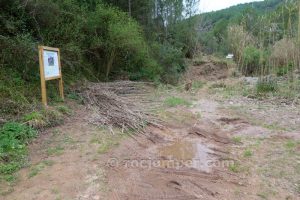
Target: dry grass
283,52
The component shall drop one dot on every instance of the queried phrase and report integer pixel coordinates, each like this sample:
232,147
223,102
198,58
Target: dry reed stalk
123,105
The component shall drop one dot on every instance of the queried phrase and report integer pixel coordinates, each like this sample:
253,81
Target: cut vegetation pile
119,104
207,71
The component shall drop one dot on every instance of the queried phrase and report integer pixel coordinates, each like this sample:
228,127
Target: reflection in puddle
186,153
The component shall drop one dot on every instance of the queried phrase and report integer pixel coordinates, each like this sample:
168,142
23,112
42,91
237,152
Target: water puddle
187,153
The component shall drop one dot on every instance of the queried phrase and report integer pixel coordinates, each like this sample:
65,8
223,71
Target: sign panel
50,69
51,64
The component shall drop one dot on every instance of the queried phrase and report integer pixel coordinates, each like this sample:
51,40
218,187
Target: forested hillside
99,40
263,36
213,28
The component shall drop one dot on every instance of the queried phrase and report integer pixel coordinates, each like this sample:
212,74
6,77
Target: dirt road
209,148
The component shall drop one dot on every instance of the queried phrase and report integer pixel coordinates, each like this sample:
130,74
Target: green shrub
52,117
35,120
15,93
47,117
14,138
235,167
17,131
248,153
251,60
64,110
281,71
237,139
290,144
33,116
74,96
97,42
171,60
265,86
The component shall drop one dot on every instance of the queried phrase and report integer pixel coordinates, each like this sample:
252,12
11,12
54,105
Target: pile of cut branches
119,104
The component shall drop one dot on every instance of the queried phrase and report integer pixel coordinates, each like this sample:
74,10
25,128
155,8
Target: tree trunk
298,56
110,62
129,8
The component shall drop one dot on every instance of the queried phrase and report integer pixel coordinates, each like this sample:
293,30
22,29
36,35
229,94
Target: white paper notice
51,67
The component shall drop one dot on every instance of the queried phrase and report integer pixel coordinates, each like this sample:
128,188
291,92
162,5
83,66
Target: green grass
290,145
198,85
35,170
14,138
266,87
234,167
55,151
198,61
104,141
284,70
218,85
32,116
237,139
104,147
47,117
177,116
248,153
53,117
274,127
176,101
64,110
74,96
35,119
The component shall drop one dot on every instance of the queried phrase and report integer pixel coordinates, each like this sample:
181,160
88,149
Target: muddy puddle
187,153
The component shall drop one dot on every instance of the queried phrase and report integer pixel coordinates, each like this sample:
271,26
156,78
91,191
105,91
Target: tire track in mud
178,144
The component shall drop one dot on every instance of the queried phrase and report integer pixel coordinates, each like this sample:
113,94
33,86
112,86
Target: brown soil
189,157
208,71
178,165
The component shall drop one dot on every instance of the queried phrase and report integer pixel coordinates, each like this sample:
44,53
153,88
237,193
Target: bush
281,71
13,140
97,42
171,60
15,92
239,39
251,60
265,86
100,36
119,44
284,51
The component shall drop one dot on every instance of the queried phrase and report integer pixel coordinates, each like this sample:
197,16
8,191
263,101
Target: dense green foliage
93,36
99,40
13,140
263,36
251,56
90,39
265,86
215,24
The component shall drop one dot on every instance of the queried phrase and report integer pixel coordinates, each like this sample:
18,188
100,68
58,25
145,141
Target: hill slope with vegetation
264,38
214,25
99,40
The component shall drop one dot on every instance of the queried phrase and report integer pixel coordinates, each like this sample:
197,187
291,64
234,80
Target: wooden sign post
50,69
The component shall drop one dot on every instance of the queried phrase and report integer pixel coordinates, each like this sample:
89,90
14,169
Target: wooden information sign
50,69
